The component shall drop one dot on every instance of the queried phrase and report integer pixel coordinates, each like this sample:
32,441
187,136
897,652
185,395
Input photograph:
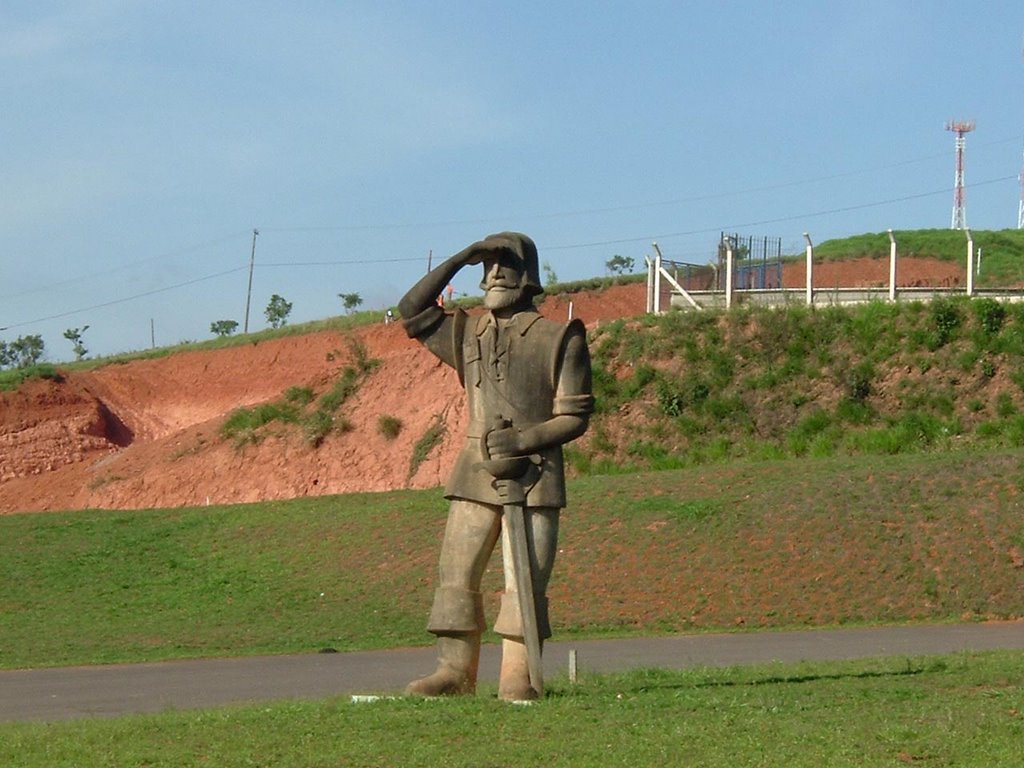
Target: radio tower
961,128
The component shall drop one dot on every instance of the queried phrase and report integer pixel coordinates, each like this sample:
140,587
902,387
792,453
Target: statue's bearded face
503,281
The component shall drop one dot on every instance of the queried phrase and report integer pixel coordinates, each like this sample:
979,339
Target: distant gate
757,261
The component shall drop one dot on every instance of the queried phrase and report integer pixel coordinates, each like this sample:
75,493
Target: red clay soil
912,272
147,433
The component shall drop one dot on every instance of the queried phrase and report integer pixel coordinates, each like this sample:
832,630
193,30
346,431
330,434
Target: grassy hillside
879,378
804,542
828,466
1002,251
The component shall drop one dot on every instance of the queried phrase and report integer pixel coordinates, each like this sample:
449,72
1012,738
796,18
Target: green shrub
946,318
800,437
871,326
729,408
989,429
299,395
857,381
989,315
912,431
854,412
670,395
606,388
317,425
430,439
243,423
346,386
1005,407
389,426
967,359
1014,430
1011,340
361,355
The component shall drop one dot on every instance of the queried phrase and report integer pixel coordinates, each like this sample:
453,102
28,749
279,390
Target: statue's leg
457,614
542,534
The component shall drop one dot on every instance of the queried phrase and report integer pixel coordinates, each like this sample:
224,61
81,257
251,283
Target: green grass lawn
743,545
747,545
956,710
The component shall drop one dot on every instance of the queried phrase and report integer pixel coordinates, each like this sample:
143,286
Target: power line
621,241
341,263
633,207
163,256
461,222
126,298
796,217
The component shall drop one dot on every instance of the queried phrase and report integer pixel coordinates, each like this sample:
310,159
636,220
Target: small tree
223,327
74,335
277,311
550,278
350,300
620,265
6,354
26,350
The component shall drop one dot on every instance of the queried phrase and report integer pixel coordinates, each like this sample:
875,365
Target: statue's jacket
527,371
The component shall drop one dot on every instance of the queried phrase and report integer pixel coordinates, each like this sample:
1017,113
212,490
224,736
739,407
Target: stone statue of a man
528,390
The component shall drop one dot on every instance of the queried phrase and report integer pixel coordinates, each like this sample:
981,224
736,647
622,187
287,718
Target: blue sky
142,142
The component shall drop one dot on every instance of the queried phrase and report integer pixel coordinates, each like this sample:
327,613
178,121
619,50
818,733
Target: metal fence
750,270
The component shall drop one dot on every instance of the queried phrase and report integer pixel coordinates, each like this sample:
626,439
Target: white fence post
970,261
657,279
728,272
892,266
810,269
650,284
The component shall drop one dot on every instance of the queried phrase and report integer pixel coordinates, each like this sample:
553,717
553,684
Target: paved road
108,691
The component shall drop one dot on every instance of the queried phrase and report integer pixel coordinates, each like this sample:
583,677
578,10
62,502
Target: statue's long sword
514,513
508,474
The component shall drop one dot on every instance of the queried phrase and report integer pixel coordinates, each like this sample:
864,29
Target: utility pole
248,295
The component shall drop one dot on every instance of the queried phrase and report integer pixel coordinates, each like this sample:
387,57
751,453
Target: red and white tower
961,128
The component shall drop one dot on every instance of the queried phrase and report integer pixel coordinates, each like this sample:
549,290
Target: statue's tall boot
457,619
514,680
457,662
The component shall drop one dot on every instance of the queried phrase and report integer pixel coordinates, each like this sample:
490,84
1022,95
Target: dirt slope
145,434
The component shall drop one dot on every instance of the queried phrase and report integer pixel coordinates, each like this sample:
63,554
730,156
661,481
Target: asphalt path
115,690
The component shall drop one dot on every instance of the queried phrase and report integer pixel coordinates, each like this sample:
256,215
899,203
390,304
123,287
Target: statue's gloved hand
473,254
478,251
502,443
